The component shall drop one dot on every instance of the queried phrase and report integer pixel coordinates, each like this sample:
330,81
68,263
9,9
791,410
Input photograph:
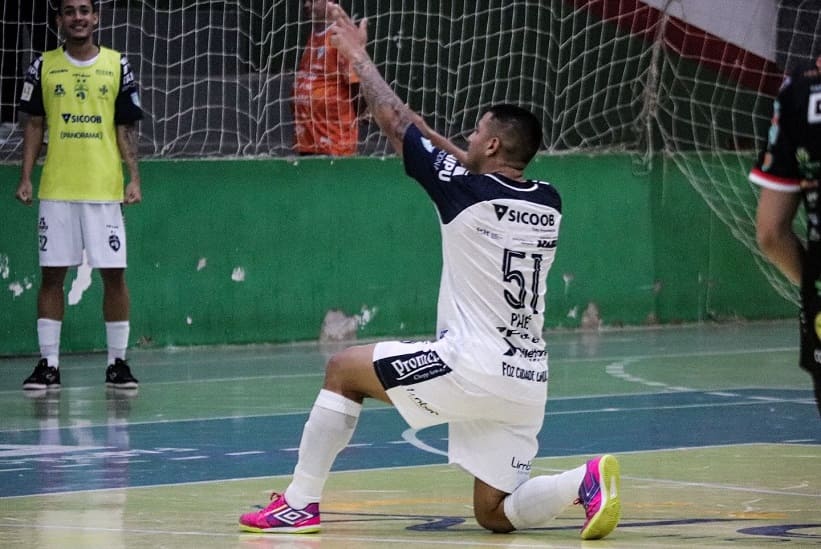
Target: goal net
685,81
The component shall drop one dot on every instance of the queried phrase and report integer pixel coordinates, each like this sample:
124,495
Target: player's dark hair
520,130
93,6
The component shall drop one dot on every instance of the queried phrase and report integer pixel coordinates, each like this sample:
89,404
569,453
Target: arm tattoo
128,145
392,115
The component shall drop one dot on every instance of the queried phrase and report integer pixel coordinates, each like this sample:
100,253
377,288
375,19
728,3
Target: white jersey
498,242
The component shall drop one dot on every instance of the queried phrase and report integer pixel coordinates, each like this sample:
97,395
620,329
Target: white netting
217,77
605,75
713,109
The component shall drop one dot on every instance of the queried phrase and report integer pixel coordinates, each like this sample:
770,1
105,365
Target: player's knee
53,278
350,373
113,277
493,520
335,372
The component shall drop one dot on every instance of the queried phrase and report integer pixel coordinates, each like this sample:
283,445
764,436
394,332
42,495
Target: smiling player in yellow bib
87,97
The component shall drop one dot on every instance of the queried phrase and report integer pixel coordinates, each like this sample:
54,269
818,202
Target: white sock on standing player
48,336
328,430
541,498
116,334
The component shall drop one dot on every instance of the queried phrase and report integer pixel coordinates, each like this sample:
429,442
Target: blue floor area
52,459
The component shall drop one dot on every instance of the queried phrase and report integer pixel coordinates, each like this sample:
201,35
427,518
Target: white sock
48,336
116,334
328,430
541,498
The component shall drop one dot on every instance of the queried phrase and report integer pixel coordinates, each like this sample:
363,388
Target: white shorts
68,228
493,439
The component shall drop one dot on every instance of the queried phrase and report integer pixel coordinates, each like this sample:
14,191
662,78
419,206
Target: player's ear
494,144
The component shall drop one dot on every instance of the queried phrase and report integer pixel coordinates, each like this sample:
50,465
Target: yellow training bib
83,161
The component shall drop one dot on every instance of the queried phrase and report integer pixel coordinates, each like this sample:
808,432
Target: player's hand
439,141
133,193
24,192
348,38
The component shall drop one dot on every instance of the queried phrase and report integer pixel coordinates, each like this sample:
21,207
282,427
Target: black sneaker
43,377
118,375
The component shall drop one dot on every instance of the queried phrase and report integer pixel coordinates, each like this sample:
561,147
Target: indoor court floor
715,427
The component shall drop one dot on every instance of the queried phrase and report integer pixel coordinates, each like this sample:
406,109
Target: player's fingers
340,17
336,12
336,40
340,32
363,31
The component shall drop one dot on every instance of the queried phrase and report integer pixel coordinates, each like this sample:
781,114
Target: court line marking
618,370
370,408
320,371
28,450
613,409
293,539
402,467
714,486
710,485
409,435
378,407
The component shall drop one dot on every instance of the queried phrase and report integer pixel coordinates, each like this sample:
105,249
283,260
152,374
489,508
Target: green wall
357,234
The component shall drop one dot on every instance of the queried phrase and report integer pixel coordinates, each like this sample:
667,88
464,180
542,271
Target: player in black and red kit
789,170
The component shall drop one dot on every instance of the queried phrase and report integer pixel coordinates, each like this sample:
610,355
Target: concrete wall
261,251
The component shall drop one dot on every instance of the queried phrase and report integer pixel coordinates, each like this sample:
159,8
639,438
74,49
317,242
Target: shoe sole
280,530
121,392
607,518
41,387
129,385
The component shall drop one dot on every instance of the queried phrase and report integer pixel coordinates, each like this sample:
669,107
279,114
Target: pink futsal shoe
599,494
279,517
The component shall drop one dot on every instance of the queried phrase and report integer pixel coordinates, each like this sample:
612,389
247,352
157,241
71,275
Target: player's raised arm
439,141
389,112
